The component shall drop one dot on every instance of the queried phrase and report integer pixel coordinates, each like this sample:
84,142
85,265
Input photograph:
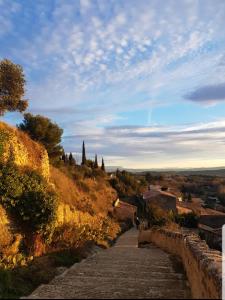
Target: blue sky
142,82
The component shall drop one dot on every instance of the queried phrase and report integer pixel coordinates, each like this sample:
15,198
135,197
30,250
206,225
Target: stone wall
203,266
68,214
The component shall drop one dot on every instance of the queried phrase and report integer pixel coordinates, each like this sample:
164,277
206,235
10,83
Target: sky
142,82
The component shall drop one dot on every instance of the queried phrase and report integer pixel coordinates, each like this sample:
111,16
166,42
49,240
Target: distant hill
217,171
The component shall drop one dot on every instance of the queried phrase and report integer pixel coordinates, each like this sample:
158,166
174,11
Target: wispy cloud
155,146
88,62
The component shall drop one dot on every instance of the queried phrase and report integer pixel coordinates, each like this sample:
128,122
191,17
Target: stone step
120,273
149,262
92,281
123,267
107,292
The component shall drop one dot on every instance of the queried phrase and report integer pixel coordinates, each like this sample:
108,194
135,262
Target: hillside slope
24,152
83,202
92,195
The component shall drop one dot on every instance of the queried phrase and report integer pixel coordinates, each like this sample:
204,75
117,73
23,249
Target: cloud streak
92,65
155,146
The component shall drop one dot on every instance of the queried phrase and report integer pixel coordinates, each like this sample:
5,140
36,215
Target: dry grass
94,196
173,227
65,187
34,149
22,143
5,237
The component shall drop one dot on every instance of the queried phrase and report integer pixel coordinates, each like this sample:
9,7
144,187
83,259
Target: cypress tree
103,165
71,159
96,162
83,155
63,157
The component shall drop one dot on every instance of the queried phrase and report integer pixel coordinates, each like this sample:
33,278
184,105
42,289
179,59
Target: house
124,211
163,199
210,229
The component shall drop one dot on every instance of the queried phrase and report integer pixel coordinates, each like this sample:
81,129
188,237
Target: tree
103,165
46,132
96,162
83,155
63,157
12,81
90,163
148,177
72,161
189,197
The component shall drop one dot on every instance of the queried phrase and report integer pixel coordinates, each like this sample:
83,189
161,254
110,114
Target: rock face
121,272
18,147
203,266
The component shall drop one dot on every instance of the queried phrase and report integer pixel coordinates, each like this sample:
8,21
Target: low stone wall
203,266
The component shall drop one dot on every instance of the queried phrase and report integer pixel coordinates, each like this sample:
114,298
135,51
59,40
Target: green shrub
37,210
156,216
189,220
26,195
127,184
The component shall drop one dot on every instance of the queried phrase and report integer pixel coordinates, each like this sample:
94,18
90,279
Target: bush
26,195
156,216
99,230
37,209
44,131
127,184
189,220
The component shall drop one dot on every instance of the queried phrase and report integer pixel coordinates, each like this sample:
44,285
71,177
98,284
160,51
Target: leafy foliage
126,184
189,220
156,216
12,83
46,132
101,231
26,195
4,136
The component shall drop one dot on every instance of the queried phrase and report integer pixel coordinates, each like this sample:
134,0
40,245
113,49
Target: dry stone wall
203,266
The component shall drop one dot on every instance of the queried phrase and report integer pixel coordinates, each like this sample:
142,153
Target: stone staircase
121,272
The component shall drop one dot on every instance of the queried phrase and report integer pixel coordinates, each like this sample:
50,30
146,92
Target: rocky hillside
85,201
17,146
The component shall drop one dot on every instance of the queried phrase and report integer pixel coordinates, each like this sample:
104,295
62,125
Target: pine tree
71,159
103,165
96,162
83,155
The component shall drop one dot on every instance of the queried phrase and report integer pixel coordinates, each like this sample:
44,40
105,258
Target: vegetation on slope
45,210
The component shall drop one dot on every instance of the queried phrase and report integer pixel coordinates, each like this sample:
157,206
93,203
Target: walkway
121,272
